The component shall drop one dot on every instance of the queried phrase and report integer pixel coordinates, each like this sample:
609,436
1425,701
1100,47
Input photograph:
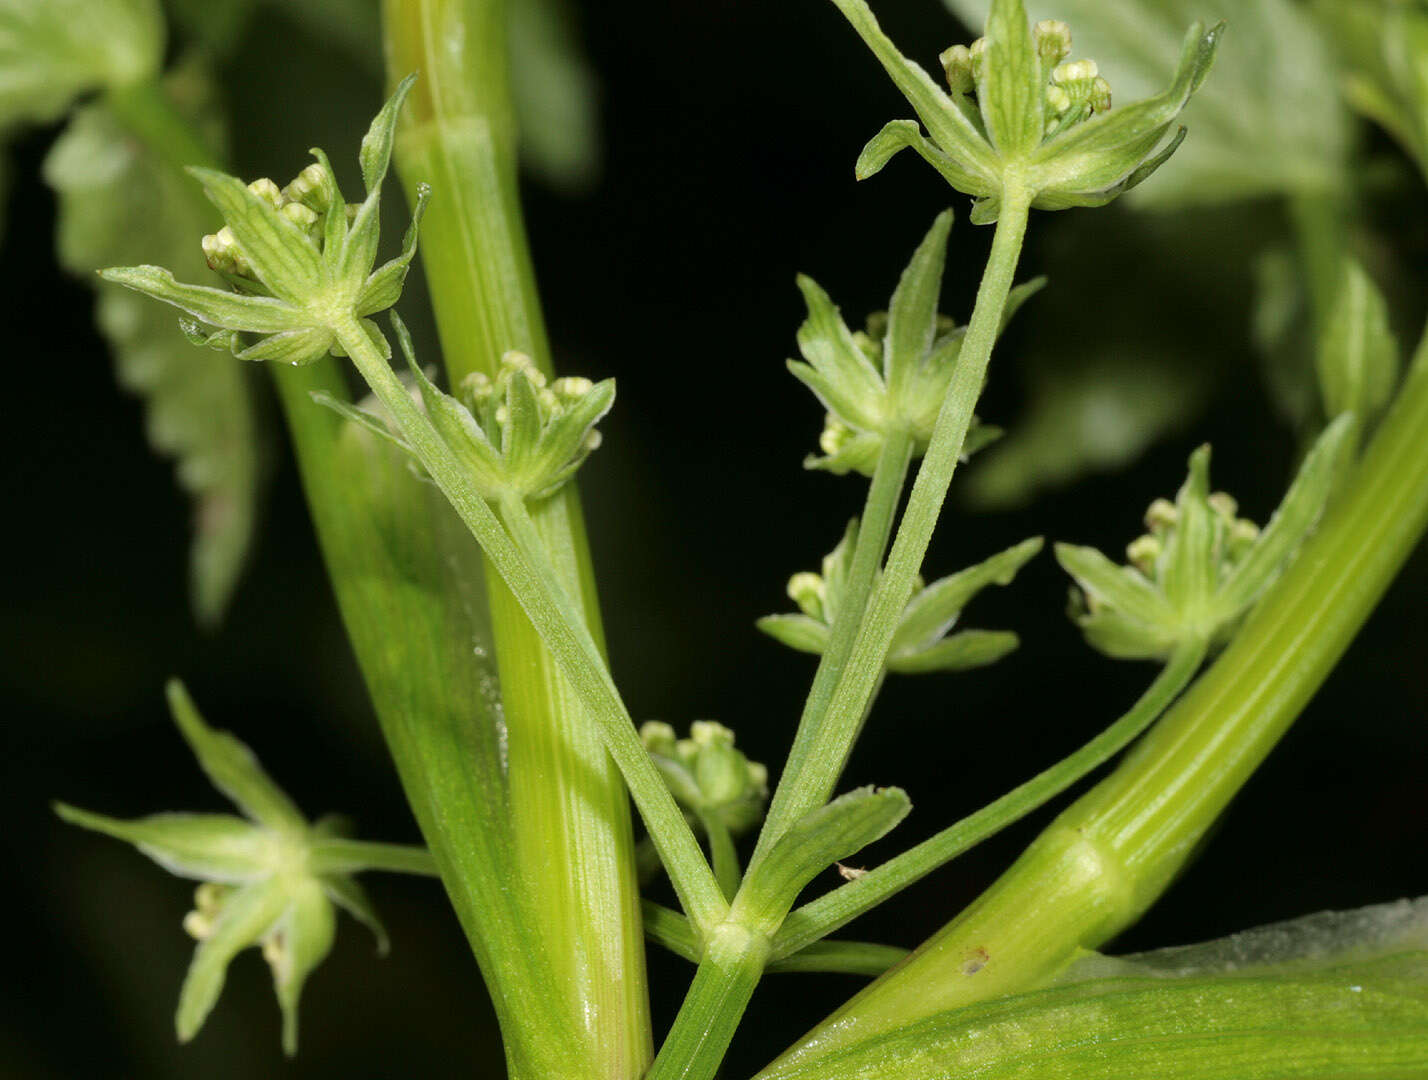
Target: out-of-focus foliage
555,94
1382,45
52,51
117,203
1263,124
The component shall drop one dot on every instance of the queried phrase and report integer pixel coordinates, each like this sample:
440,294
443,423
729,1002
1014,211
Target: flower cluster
518,433
922,641
269,879
1020,120
707,774
299,260
1200,567
893,376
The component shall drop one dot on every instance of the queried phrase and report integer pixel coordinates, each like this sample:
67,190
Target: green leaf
912,312
1012,85
953,132
232,766
1358,355
931,612
797,632
304,935
384,287
1123,588
118,204
348,894
52,51
815,842
1188,565
375,154
1328,996
217,307
204,847
1298,513
282,255
846,381
960,652
1268,121
899,135
246,916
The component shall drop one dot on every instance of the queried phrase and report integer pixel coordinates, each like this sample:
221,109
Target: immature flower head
1020,118
1199,568
269,879
893,375
518,433
707,774
299,260
923,640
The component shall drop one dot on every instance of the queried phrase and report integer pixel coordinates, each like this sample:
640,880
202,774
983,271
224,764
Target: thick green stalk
874,528
521,560
836,909
1108,857
570,813
729,969
808,782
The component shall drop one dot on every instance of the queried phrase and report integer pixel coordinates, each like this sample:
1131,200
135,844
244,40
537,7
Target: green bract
707,775
299,259
269,878
921,642
895,375
1200,568
1040,129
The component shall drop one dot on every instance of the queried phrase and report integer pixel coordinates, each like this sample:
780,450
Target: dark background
729,135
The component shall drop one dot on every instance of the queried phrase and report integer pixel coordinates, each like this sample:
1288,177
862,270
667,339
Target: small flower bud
978,53
1053,41
1143,553
957,64
806,589
309,187
1058,102
1242,537
1100,95
658,737
835,435
268,191
571,387
476,390
1224,504
1161,515
302,216
1074,72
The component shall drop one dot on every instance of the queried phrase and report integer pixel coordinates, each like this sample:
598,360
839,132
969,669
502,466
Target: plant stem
874,528
570,814
836,909
339,855
729,969
809,780
1108,857
523,564
723,854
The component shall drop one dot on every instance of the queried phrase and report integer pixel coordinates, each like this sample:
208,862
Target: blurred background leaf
118,205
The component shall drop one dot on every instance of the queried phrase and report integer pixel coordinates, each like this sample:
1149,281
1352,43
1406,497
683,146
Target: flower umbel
923,641
518,433
894,375
299,260
708,774
1019,119
269,879
1199,569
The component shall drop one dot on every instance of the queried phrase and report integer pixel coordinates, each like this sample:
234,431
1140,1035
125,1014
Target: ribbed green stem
1107,858
809,779
729,970
569,809
874,528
